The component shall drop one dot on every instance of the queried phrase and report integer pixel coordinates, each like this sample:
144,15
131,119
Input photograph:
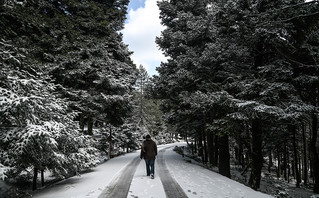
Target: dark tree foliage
77,43
249,63
61,61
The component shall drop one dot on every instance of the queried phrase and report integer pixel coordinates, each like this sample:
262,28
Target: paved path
171,187
120,186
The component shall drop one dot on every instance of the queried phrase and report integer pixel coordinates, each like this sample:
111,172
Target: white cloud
140,31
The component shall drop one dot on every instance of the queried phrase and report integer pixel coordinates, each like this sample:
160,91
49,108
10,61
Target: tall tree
248,49
37,129
141,84
60,61
147,113
78,44
264,36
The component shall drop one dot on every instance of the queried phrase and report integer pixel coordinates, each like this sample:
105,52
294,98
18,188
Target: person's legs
148,171
152,165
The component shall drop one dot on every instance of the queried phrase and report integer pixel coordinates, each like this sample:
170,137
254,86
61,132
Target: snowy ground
195,180
89,185
200,182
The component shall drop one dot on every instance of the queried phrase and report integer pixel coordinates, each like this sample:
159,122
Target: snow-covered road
195,180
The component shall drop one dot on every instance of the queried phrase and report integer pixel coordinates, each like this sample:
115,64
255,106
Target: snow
143,186
194,179
201,182
3,169
90,184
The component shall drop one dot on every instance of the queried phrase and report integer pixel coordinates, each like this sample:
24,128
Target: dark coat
148,150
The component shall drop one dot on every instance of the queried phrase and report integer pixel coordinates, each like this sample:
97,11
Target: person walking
149,152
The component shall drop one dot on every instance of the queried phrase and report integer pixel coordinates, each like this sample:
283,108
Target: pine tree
60,61
266,33
146,112
190,72
249,50
37,127
77,43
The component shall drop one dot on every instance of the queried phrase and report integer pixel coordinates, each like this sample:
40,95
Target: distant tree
141,84
146,113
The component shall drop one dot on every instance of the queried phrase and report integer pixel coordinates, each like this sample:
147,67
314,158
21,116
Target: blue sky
139,33
135,4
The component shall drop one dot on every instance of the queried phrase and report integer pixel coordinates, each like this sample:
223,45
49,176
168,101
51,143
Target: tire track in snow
120,185
171,187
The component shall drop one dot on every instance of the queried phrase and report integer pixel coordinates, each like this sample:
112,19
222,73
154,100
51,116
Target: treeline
243,75
63,71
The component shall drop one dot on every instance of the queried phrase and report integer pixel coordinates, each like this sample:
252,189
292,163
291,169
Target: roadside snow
200,182
89,185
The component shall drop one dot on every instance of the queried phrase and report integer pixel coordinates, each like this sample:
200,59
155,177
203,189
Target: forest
243,76
69,91
241,86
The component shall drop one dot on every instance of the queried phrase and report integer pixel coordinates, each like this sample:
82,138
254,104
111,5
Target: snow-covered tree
269,33
78,43
188,41
250,50
61,61
38,131
146,113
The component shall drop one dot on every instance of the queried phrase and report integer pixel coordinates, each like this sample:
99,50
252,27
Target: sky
141,28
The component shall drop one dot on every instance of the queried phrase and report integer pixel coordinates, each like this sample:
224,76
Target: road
125,177
120,186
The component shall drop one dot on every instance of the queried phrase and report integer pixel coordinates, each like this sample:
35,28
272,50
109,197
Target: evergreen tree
61,61
246,49
147,113
77,43
273,28
141,84
37,127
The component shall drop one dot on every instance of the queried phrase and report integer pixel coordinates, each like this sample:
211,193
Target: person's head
148,137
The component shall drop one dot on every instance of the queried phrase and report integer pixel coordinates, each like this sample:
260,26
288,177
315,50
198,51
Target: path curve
171,187
120,186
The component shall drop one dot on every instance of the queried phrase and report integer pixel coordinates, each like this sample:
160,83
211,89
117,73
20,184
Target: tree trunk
278,164
288,168
195,146
216,150
90,125
314,153
256,154
200,145
110,143
81,122
310,159
241,154
297,172
305,163
247,144
236,149
224,156
210,142
270,161
205,159
42,177
35,177
286,161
